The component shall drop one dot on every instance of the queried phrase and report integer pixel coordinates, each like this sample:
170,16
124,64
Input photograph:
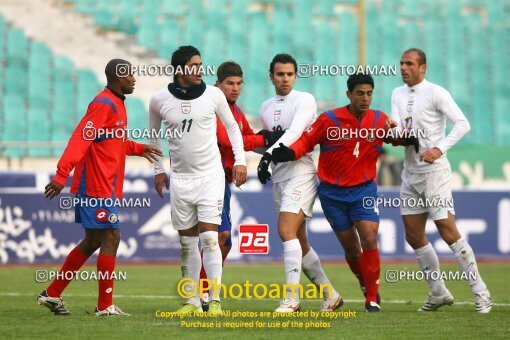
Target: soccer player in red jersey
230,82
98,160
350,139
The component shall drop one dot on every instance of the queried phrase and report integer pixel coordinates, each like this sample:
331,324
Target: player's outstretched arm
151,153
159,180
283,154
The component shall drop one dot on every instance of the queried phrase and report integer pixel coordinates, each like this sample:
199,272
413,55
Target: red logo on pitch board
254,239
101,215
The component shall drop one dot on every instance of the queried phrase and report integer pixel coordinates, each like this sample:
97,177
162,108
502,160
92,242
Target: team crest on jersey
119,123
185,107
408,123
277,115
112,218
220,205
296,195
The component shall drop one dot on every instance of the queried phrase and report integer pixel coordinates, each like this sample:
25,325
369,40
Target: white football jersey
424,108
295,113
194,152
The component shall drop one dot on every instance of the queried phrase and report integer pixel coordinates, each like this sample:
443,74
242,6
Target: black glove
263,168
270,137
283,154
412,141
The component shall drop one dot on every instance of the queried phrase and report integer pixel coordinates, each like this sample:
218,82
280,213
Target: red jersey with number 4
250,139
349,147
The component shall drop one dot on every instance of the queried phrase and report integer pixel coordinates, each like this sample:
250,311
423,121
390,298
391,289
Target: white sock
313,270
212,261
429,262
292,259
190,264
467,263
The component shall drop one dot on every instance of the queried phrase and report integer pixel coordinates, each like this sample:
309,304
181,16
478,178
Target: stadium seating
43,96
467,44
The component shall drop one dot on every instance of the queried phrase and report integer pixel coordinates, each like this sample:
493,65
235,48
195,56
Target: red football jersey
349,147
98,162
250,139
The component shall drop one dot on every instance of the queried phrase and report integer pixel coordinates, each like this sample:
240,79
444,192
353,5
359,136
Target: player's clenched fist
283,154
270,137
431,155
263,168
159,179
239,174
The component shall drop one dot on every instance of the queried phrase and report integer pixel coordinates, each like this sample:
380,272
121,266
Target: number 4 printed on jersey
356,150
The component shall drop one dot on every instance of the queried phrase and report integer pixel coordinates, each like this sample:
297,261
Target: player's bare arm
159,180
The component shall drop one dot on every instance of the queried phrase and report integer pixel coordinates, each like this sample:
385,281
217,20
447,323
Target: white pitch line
162,297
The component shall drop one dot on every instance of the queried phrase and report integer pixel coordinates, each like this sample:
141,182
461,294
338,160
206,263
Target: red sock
73,262
371,267
223,257
105,266
356,269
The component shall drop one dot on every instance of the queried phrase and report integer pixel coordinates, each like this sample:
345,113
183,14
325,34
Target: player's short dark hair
229,69
359,79
283,58
182,55
422,57
113,69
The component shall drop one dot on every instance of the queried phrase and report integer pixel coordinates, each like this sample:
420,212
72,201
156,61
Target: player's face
127,84
192,72
283,78
231,87
412,72
360,97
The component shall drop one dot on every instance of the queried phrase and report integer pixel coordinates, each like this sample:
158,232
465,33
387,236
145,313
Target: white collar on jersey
280,99
419,86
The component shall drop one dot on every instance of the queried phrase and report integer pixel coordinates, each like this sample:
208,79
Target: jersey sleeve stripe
332,116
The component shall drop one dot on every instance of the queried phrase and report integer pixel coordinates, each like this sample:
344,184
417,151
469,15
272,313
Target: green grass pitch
149,288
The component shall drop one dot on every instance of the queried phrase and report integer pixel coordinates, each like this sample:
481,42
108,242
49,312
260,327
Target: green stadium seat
213,48
16,80
87,81
64,94
323,8
193,33
148,36
38,131
281,34
346,42
14,124
63,68
86,6
3,27
128,13
172,8
17,44
138,115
